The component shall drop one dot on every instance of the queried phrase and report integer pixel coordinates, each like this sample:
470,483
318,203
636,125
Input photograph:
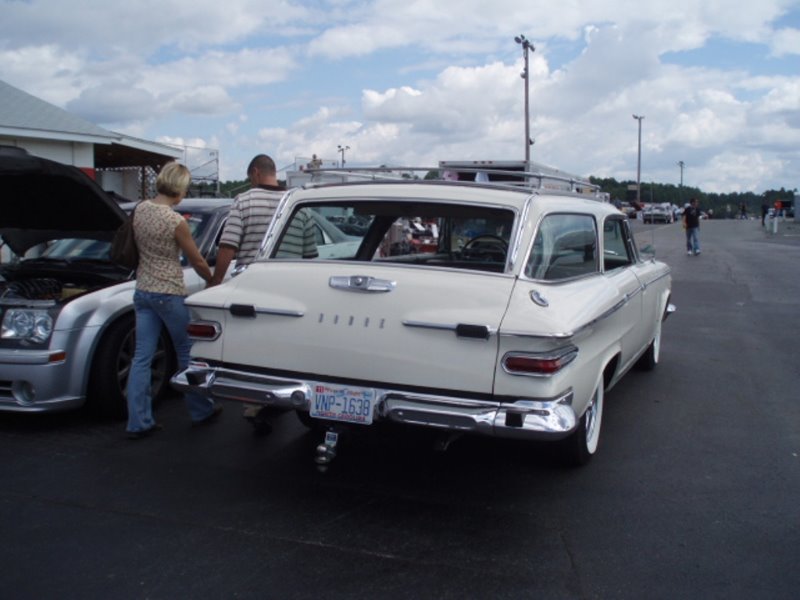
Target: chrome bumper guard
526,418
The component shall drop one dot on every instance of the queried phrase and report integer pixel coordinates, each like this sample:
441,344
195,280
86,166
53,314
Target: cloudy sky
412,82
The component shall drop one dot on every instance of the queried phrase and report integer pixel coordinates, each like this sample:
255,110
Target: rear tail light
204,330
538,364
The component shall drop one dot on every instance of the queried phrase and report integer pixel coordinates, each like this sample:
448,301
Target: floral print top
159,269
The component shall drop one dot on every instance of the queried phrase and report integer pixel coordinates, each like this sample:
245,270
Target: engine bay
20,284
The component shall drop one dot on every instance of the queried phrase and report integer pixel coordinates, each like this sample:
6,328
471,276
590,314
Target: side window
617,251
319,236
211,255
299,238
565,246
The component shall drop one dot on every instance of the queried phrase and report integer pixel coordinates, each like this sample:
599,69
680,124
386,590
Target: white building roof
25,116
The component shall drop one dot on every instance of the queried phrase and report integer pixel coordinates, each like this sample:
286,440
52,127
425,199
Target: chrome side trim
659,278
635,293
280,312
565,335
568,334
446,326
270,233
424,325
523,218
523,418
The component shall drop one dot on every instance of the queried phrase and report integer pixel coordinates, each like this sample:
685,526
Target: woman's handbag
123,247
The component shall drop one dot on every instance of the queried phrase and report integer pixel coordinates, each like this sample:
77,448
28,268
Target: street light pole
526,45
341,151
681,164
639,163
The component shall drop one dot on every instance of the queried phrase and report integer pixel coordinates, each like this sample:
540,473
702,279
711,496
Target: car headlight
33,325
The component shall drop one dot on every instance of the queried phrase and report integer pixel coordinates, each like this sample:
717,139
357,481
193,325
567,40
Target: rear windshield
447,235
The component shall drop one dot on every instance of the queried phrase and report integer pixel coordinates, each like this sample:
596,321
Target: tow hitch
326,451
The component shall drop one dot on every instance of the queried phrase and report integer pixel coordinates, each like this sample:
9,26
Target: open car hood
42,200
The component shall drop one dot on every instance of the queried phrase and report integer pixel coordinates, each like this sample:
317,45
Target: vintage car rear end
508,327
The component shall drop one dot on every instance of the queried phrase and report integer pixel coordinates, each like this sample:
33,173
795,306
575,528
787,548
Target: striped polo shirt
250,215
299,240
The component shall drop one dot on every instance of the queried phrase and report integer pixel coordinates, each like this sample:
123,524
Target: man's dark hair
263,163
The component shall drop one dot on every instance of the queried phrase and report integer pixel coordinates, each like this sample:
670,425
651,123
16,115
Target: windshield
89,249
73,248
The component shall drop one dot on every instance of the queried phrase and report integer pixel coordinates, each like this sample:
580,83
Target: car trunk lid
420,328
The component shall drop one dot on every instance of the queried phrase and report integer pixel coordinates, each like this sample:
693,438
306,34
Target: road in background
693,493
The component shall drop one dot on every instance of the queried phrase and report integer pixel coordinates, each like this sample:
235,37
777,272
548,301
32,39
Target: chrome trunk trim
361,283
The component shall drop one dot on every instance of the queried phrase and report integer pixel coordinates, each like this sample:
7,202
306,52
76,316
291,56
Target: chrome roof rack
523,180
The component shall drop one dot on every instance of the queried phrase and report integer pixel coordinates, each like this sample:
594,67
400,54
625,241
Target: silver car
66,311
658,213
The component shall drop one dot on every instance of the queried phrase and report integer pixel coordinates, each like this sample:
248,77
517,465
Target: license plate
343,403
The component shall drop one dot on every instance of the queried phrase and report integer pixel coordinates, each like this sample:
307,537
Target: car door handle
242,310
361,283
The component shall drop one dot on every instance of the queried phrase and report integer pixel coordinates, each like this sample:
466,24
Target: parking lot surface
693,492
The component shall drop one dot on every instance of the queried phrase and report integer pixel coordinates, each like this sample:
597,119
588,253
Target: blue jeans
692,241
153,310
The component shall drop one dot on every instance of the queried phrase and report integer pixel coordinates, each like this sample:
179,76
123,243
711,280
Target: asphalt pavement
693,493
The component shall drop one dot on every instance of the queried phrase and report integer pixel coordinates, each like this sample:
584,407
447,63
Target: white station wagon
527,305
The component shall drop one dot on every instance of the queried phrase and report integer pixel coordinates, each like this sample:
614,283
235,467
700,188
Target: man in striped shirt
250,215
248,220
299,240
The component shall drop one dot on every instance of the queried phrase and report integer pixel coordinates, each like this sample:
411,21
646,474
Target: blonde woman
161,235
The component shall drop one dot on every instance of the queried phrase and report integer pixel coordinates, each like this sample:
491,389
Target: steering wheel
485,247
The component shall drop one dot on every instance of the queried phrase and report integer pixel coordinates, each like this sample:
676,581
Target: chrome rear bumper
525,418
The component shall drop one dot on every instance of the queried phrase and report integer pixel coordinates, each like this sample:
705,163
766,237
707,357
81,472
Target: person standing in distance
691,223
161,235
249,217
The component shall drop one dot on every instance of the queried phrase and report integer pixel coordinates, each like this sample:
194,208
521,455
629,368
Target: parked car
331,241
628,209
658,213
67,334
531,306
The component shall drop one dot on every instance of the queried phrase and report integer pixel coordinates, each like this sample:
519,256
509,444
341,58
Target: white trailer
518,172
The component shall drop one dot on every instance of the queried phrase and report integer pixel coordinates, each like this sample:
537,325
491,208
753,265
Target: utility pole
341,151
639,163
526,45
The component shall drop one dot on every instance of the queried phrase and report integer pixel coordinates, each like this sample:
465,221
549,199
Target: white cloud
293,78
145,27
744,168
785,41
109,104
